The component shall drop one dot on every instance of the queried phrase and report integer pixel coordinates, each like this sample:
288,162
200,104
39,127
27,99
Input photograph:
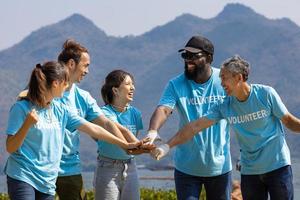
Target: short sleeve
168,97
93,110
278,108
16,118
139,124
214,113
74,120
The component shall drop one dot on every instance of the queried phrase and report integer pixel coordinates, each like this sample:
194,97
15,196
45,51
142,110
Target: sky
18,18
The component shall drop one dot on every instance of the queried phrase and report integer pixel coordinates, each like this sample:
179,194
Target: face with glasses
194,64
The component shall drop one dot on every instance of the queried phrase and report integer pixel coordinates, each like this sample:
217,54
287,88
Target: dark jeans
278,184
19,190
188,187
70,187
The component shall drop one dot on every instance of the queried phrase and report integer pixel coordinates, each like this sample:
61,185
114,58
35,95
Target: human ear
115,91
55,84
71,64
240,78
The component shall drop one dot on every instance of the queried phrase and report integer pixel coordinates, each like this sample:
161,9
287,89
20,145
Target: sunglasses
192,56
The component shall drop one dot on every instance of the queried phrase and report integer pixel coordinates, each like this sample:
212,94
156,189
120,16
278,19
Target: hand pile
152,144
144,147
160,151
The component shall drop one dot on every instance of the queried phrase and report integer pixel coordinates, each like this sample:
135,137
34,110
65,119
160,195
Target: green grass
146,194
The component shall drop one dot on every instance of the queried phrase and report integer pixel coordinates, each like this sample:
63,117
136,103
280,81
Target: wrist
152,131
166,147
152,134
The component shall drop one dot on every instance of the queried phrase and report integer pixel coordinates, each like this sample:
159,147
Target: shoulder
59,106
134,110
23,105
263,89
82,93
216,74
178,79
106,109
216,71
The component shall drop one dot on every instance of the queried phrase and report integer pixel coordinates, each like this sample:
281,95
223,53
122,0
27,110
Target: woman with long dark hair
35,133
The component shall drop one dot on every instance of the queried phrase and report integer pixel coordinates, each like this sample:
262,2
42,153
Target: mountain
271,46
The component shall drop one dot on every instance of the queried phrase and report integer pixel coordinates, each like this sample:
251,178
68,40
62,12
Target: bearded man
205,159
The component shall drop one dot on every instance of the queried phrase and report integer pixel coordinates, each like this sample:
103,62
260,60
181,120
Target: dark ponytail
41,80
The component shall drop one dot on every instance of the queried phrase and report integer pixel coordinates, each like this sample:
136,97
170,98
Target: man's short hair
71,50
237,65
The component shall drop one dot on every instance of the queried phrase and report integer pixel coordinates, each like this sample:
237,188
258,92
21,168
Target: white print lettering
203,100
248,117
52,125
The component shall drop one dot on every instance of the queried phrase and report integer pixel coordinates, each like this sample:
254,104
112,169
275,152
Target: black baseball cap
198,43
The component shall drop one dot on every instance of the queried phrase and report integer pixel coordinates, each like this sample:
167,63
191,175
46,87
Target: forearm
14,142
291,122
126,133
159,117
183,135
110,126
189,130
100,133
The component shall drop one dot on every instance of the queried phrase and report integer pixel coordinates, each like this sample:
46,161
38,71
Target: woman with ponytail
35,133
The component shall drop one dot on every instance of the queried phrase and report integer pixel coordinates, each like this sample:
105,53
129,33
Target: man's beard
195,73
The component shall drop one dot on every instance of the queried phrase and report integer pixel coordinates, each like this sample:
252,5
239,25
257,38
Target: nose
86,70
190,64
132,87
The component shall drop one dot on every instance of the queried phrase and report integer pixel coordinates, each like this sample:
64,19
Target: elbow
108,125
10,150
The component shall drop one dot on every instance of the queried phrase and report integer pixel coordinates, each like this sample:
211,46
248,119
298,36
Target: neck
119,106
48,99
70,85
243,92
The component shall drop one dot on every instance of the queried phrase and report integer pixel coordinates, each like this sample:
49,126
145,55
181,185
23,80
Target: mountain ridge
271,46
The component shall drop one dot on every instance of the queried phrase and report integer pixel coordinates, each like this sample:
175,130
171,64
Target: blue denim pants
19,190
277,184
188,187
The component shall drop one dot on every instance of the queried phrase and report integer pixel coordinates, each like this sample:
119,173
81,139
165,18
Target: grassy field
146,194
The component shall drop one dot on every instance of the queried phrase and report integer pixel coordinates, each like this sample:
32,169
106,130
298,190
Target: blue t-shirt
81,102
36,162
258,129
208,152
130,119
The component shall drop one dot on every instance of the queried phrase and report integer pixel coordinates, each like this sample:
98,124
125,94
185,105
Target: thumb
158,157
33,110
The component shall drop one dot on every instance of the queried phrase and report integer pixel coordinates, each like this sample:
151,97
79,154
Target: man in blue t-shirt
205,159
256,114
69,183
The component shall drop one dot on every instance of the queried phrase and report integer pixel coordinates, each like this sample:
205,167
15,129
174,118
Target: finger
158,157
147,139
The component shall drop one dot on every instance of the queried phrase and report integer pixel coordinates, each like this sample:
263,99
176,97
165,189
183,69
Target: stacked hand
144,147
152,137
160,151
